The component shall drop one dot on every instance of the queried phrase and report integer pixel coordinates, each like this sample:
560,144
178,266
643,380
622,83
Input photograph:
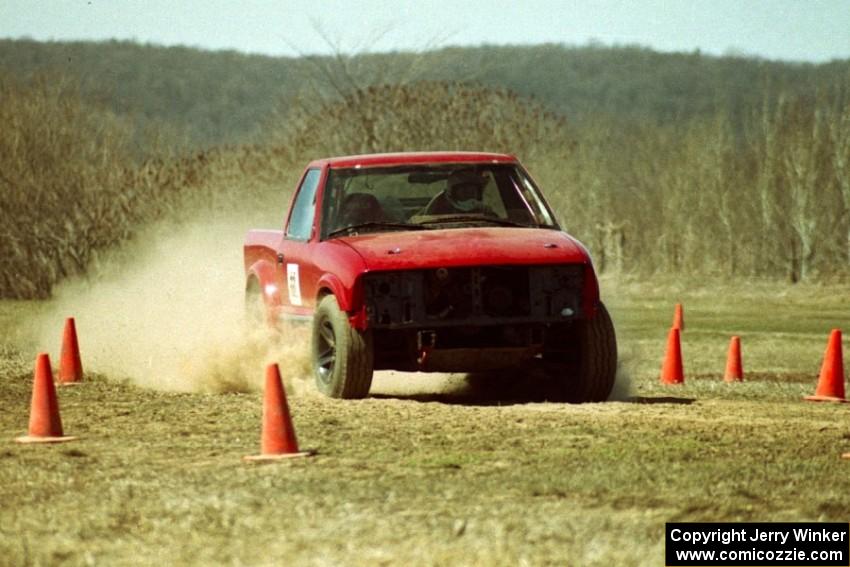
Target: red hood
466,247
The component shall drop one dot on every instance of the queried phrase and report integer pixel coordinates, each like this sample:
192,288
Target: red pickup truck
433,262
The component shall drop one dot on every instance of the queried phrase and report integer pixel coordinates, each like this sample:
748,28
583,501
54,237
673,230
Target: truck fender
264,272
329,283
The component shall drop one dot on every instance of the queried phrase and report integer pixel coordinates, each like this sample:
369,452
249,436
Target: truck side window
301,219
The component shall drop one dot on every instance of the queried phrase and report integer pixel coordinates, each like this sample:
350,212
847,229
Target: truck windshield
438,196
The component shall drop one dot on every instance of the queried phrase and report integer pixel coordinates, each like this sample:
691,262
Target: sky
793,30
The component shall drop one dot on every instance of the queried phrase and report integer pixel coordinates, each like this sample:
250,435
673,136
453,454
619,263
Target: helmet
359,208
463,190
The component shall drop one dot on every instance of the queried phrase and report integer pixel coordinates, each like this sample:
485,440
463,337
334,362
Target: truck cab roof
411,158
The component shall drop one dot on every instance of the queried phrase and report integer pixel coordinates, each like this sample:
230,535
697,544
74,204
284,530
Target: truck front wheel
342,356
583,360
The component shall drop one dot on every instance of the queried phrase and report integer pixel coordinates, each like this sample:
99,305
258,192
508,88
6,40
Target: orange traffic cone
679,318
70,366
672,371
45,423
278,440
734,368
831,382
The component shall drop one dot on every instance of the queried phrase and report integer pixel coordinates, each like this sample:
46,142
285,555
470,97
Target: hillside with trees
214,98
676,165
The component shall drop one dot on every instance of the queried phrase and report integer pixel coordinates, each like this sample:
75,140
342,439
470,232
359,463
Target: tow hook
425,343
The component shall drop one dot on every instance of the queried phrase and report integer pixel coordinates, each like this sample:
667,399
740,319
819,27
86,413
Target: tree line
731,179
758,194
204,99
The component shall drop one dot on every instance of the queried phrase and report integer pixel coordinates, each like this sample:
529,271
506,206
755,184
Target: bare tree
839,135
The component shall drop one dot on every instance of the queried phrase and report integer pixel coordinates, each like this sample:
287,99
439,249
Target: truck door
297,267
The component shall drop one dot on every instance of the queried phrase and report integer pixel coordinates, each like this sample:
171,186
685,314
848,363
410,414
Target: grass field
437,472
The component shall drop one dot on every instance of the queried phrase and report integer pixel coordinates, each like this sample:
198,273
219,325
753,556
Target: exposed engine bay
440,319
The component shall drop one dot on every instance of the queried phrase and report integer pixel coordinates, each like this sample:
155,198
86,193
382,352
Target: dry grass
440,474
783,328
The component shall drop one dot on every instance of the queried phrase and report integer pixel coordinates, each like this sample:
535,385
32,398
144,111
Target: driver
463,194
360,208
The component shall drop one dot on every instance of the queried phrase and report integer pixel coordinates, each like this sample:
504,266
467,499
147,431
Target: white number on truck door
294,284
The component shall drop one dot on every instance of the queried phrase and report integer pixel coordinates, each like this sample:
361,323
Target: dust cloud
623,389
167,312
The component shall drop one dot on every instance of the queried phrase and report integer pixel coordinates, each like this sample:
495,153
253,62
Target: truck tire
342,357
583,362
